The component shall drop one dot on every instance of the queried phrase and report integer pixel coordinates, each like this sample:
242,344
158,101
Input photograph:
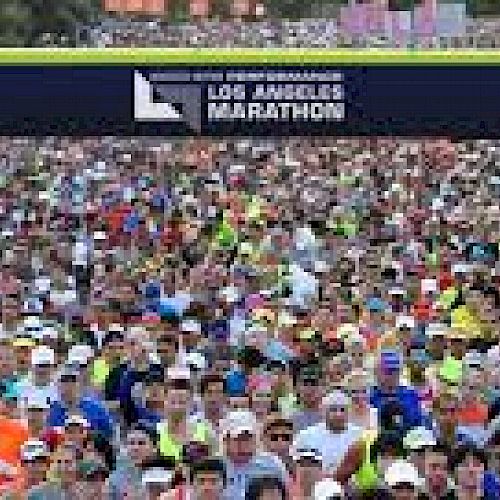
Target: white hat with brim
402,472
33,449
178,373
326,489
191,326
157,475
436,330
80,354
42,355
335,398
405,322
419,438
305,454
77,420
239,422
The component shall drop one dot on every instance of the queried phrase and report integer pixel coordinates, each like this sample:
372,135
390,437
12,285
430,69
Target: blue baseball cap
390,360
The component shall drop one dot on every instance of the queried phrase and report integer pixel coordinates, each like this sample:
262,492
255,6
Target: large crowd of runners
249,319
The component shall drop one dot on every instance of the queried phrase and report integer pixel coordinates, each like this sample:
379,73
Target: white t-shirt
332,446
30,393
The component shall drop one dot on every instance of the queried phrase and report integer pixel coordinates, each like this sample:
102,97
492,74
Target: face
436,470
36,419
214,395
10,308
261,402
494,457
335,372
6,361
95,486
76,434
70,389
36,470
359,395
139,447
155,397
240,449
310,393
436,346
116,348
336,416
356,355
469,474
42,374
271,494
278,440
458,348
23,358
447,413
208,485
167,348
65,464
308,472
388,379
403,492
473,384
177,401
239,402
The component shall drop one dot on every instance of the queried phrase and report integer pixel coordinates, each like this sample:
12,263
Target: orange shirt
12,435
473,414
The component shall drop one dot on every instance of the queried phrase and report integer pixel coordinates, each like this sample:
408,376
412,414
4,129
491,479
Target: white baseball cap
42,355
80,354
326,489
191,326
238,422
436,330
77,420
178,373
405,321
335,398
33,449
402,472
157,475
418,438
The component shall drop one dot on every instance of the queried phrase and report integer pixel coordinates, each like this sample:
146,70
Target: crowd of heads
299,318
323,33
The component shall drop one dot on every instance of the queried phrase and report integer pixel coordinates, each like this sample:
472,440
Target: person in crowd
244,461
336,438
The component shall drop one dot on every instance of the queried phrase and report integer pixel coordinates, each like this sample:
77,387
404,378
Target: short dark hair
180,384
211,465
495,438
209,379
258,485
463,451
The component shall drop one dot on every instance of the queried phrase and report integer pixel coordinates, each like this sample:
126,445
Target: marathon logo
154,102
276,102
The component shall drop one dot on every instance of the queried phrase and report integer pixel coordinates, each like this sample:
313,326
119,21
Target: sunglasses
284,436
358,392
137,442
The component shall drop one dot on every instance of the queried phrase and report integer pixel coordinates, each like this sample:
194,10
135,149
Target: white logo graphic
145,109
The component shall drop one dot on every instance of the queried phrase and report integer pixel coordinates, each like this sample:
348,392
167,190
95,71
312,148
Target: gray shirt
49,491
303,419
238,477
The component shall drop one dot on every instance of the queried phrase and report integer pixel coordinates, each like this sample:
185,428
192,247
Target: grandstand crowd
320,33
249,319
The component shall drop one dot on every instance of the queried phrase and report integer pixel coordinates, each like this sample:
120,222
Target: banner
248,100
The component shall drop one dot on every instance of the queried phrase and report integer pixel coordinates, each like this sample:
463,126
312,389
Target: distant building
196,8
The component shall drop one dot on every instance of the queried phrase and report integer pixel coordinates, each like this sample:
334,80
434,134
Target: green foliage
30,22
